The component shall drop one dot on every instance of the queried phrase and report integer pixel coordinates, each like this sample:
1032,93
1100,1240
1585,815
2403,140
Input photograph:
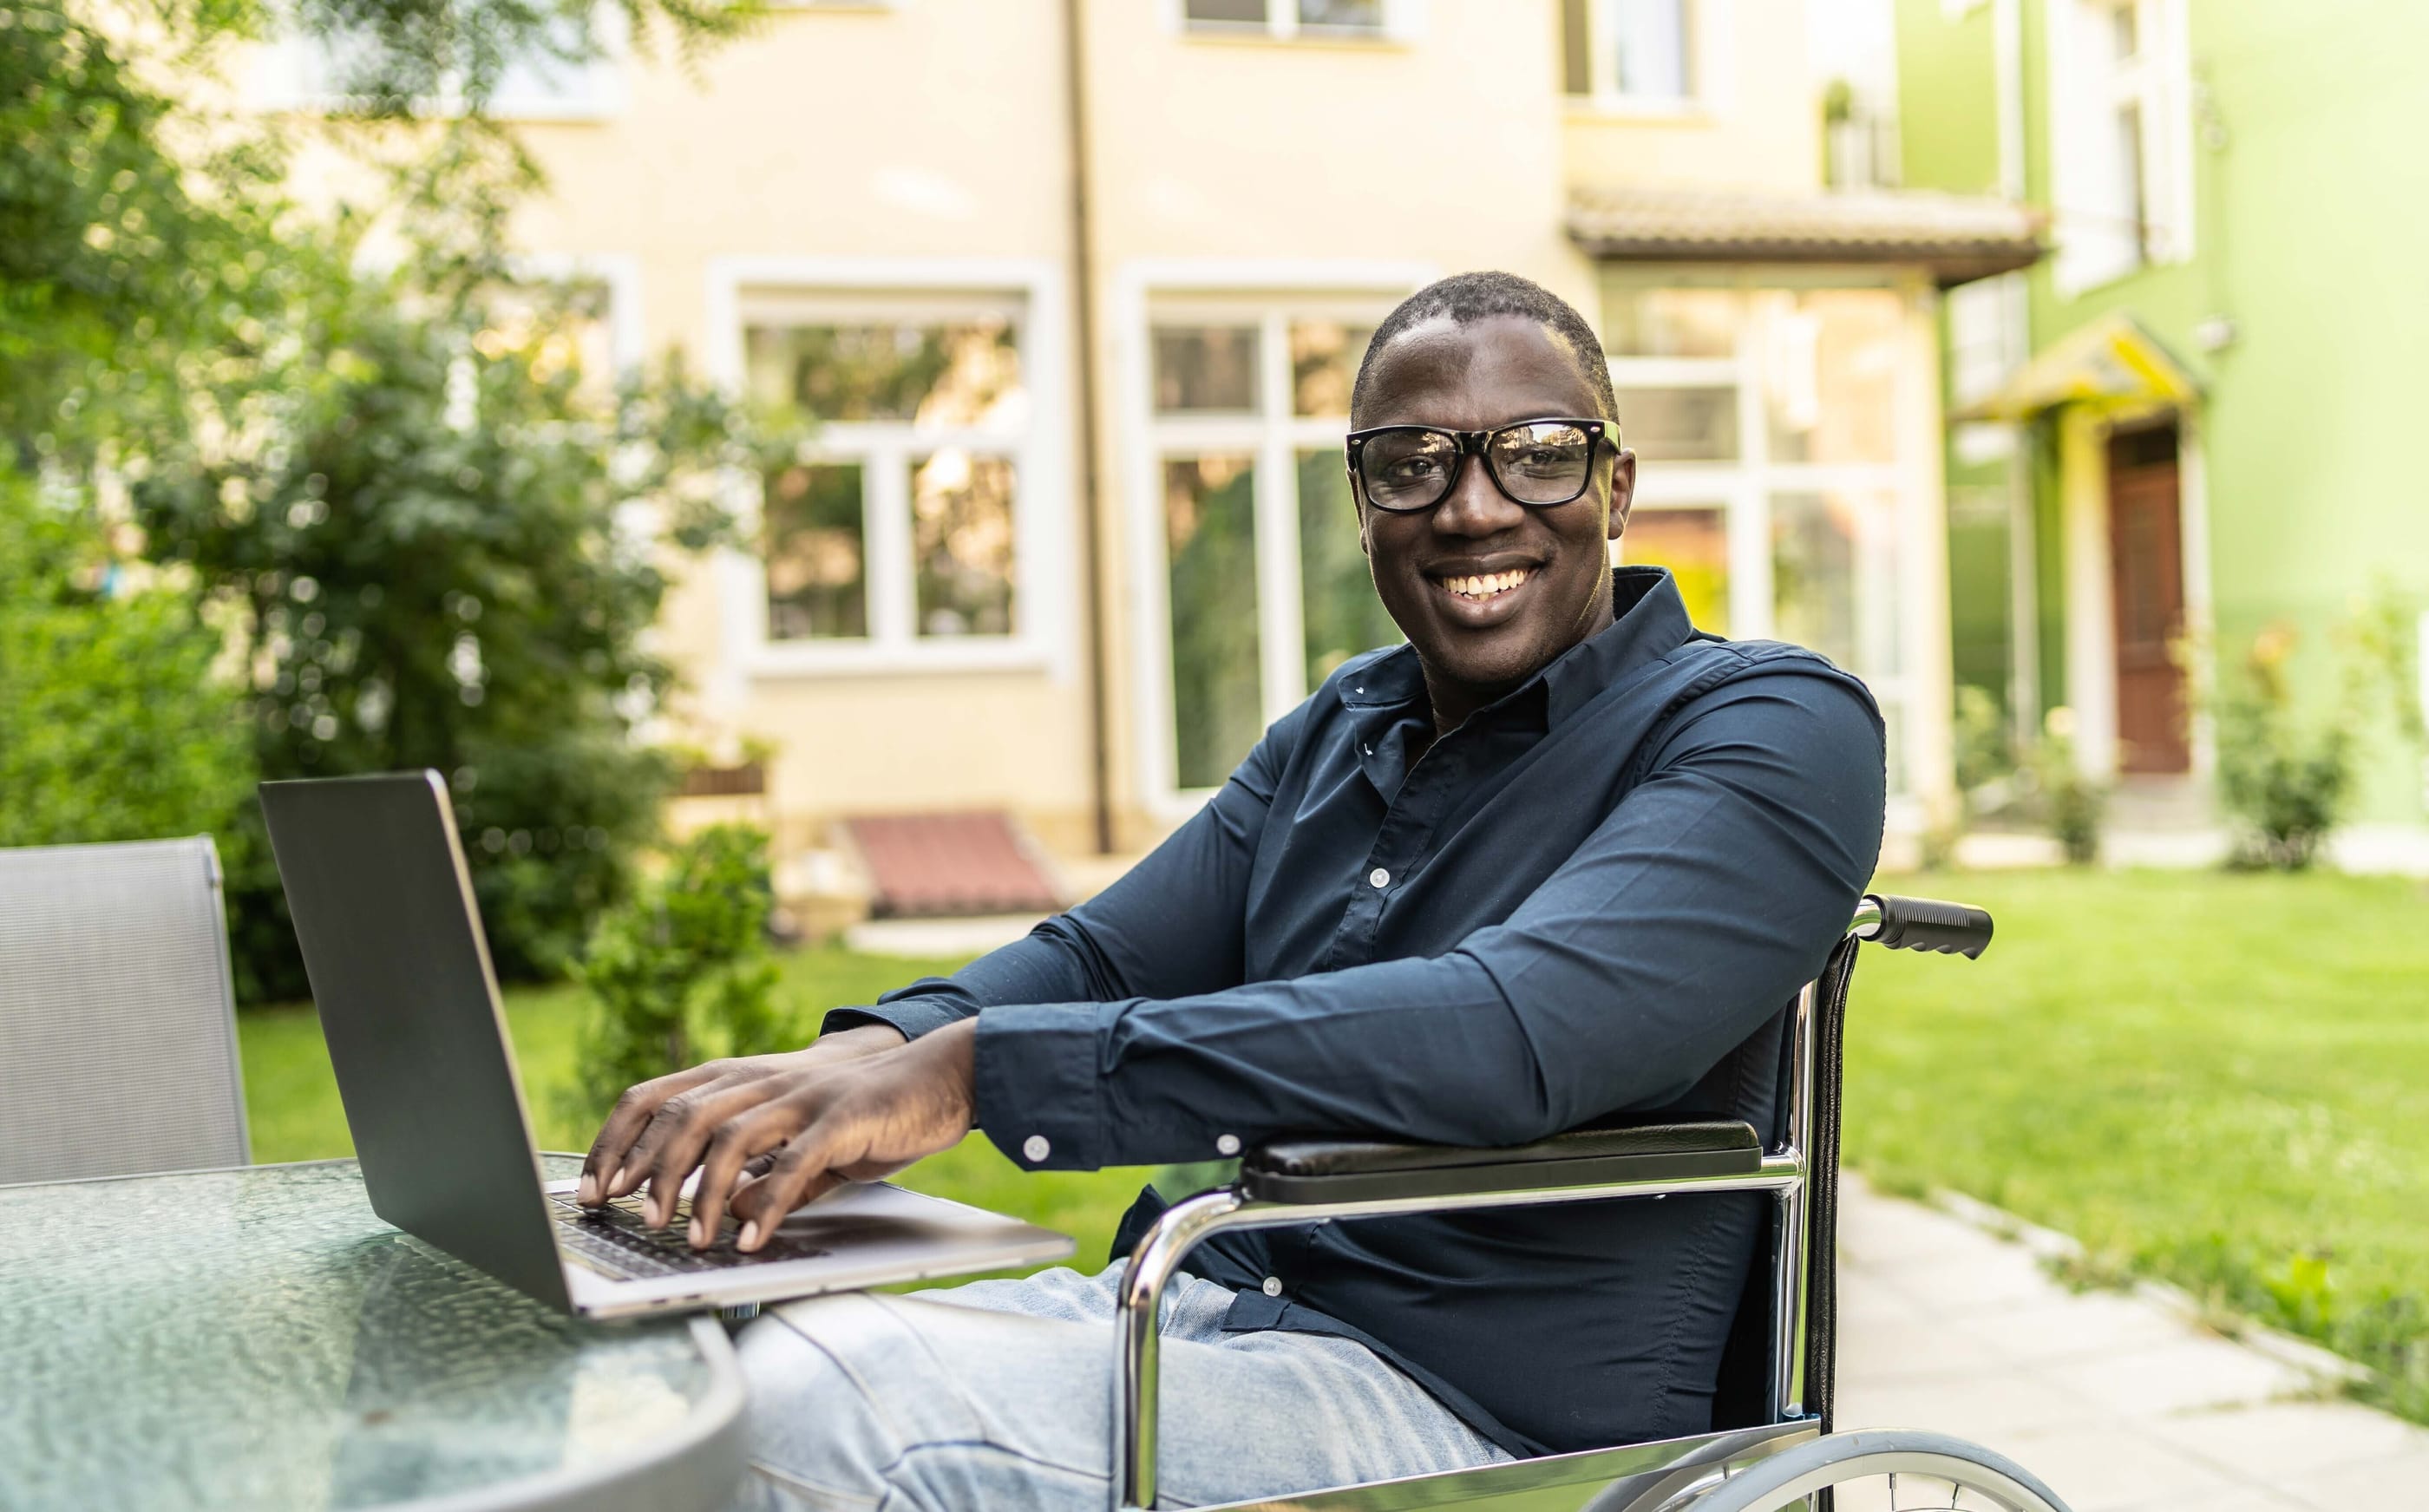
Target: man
1558,858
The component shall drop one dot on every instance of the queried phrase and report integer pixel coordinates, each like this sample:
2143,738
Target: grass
2218,1080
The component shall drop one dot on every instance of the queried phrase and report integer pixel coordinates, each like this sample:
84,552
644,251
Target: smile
1483,587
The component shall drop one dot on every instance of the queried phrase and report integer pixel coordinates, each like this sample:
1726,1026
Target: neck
1453,700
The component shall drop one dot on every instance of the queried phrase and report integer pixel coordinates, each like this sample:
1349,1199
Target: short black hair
1466,297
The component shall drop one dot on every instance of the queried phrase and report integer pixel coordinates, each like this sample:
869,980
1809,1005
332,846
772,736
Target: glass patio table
255,1337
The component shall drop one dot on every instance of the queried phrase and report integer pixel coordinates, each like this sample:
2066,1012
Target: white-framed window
1290,20
1260,587
896,525
2120,113
1643,56
1774,482
305,73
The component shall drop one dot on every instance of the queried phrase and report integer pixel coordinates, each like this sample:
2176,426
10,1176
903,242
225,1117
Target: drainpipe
1083,297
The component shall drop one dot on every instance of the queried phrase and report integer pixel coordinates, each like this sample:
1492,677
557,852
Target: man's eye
1411,469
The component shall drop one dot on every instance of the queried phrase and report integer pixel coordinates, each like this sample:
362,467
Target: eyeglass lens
1541,462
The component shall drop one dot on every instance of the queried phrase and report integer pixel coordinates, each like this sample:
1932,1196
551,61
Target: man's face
1488,590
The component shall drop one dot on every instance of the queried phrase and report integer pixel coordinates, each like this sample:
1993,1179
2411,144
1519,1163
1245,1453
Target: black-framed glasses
1536,463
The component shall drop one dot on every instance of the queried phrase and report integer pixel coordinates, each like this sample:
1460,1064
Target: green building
2200,418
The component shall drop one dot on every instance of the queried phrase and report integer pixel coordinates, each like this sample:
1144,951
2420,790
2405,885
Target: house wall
2309,217
935,133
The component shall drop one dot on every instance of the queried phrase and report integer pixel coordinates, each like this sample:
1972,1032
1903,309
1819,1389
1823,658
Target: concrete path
2120,1402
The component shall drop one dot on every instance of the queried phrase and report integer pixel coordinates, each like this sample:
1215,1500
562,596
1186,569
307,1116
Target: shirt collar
1649,622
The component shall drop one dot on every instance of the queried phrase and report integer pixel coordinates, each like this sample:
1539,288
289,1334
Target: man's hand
772,1132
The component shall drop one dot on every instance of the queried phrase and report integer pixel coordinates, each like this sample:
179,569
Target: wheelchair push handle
1923,923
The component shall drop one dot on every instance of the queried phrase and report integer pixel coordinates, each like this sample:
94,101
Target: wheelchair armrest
1306,1171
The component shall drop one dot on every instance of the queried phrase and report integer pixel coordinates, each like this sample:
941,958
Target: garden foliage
681,973
362,499
2286,763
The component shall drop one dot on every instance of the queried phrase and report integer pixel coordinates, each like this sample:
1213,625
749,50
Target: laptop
383,906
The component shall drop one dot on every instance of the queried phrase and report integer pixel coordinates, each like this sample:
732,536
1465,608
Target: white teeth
1485,585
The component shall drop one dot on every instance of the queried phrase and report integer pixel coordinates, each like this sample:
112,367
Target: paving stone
2188,1372
2002,1277
2397,1485
2109,1469
1984,1405
2283,1442
2069,1325
1901,1348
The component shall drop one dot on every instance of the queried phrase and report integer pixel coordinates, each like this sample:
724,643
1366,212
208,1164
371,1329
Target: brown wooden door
2146,576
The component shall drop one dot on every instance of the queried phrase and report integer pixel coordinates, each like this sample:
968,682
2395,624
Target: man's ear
1623,491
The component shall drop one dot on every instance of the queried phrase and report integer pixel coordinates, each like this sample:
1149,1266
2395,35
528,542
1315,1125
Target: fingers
604,1169
676,1138
804,1173
742,1149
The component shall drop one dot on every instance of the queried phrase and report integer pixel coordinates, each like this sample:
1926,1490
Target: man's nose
1475,507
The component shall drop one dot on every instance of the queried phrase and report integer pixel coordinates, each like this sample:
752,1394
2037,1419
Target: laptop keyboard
616,1239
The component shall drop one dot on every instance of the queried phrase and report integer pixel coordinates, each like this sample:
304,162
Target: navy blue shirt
1594,897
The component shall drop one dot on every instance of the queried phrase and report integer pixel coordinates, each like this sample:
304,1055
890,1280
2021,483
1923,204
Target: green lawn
2221,1080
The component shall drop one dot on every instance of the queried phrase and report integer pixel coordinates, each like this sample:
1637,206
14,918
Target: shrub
681,973
112,726
2286,779
2071,804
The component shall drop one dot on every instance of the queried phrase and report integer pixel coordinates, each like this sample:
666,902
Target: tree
430,554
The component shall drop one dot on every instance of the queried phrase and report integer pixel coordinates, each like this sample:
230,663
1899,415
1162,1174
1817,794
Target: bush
112,726
2071,804
681,973
426,555
2288,781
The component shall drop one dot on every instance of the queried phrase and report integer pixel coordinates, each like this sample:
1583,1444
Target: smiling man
1560,857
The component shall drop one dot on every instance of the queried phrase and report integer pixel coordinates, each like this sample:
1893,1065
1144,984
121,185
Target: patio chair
117,1049
1779,1449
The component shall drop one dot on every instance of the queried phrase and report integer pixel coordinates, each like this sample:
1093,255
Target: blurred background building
2185,440
1074,292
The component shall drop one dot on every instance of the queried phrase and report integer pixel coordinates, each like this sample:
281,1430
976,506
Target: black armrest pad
1298,1170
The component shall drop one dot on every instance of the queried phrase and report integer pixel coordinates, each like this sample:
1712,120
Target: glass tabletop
257,1338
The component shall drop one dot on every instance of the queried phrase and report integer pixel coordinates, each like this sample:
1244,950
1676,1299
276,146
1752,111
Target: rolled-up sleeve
1713,891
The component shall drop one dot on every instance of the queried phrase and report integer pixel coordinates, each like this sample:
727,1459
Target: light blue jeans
998,1396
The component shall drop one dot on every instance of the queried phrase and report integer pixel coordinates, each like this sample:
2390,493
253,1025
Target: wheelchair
1789,1455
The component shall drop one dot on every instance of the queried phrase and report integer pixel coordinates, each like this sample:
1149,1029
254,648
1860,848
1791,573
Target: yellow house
1074,289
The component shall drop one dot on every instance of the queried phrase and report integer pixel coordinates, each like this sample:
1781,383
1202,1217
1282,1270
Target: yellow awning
2110,364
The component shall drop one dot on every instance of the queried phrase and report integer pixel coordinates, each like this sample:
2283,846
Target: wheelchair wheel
1873,1469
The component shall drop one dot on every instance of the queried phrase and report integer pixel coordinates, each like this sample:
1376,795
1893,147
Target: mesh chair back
117,1025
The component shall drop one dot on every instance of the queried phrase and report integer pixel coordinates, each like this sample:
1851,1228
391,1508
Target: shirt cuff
1040,1096
914,1016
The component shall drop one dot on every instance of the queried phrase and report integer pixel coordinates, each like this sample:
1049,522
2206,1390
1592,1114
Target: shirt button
1228,1144
1273,1286
1367,749
1035,1147
1378,877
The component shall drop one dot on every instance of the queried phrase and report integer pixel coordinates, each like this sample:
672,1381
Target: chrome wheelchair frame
1794,1458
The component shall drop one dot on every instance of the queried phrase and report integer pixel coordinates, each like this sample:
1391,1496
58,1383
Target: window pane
1210,532
1324,366
1225,12
1834,580
1343,15
1680,425
818,582
960,544
1834,376
1205,367
1694,545
963,372
1338,607
1650,45
1673,322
